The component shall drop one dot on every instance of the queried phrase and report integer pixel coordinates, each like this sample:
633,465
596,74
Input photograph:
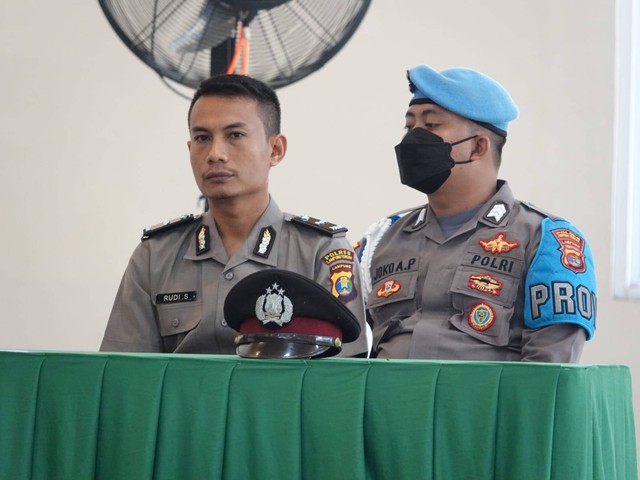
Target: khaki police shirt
172,294
428,296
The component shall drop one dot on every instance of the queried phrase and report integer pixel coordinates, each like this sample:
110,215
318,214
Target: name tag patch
178,297
394,267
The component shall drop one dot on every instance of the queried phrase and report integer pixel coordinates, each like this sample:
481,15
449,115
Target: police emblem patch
498,244
485,283
202,240
340,262
481,317
274,306
342,285
572,248
388,288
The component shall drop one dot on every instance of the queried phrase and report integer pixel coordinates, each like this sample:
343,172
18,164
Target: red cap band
300,325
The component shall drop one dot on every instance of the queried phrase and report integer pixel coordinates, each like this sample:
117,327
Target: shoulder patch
147,233
327,228
560,286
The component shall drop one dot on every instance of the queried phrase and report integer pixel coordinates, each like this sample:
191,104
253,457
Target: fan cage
188,41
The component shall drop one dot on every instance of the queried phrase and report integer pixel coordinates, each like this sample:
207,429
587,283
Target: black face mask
424,160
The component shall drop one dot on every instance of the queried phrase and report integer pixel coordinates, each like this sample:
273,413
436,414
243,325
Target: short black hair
243,86
497,140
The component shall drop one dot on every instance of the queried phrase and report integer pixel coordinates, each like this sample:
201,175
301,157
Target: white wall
92,145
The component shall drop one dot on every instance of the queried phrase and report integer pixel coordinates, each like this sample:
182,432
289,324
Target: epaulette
147,233
405,211
531,206
327,228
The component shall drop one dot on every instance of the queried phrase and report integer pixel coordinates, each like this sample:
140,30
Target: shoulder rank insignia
147,233
497,212
323,226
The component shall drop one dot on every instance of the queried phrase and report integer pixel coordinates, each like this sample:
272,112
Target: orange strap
242,45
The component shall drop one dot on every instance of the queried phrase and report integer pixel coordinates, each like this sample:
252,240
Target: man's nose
217,152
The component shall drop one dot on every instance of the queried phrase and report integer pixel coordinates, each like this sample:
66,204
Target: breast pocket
483,302
396,293
178,319
390,303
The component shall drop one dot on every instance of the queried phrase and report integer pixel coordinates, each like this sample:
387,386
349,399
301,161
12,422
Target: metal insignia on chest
202,240
266,238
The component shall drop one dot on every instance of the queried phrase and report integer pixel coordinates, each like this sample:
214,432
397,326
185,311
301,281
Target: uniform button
228,275
224,322
175,322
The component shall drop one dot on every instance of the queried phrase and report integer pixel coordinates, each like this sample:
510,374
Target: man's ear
278,148
481,147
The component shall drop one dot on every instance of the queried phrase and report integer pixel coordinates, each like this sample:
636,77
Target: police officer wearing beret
172,294
475,274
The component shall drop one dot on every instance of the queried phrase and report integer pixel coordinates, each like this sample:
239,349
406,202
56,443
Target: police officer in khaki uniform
475,274
172,294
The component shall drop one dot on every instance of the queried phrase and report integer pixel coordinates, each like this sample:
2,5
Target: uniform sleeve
132,326
560,295
338,270
560,343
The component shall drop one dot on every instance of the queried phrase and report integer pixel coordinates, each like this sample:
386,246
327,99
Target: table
67,415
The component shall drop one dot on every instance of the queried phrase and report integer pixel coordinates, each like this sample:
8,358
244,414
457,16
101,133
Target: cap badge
388,288
202,240
274,306
497,212
572,248
498,244
265,242
481,316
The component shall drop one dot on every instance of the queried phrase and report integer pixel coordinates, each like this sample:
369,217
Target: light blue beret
466,92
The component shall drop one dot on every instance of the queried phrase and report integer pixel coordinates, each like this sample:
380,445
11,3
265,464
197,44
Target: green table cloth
151,416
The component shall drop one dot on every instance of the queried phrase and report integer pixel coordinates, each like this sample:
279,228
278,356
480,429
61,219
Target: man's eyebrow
231,126
235,125
430,111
